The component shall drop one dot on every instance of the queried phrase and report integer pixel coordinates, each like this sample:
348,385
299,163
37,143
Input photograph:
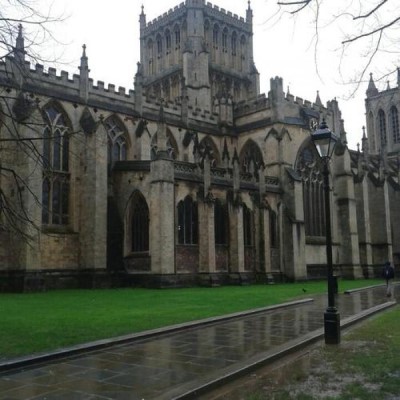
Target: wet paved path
167,366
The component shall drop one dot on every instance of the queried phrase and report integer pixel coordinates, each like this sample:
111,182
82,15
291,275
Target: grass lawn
35,322
365,366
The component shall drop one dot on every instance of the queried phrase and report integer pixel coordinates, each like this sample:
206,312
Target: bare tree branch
303,3
372,11
380,29
378,20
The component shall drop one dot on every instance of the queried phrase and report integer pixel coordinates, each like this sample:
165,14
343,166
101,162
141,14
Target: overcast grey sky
281,48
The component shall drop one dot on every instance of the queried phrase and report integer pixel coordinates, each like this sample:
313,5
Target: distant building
193,177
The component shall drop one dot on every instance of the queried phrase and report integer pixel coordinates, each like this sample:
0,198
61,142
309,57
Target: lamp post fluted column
331,315
324,141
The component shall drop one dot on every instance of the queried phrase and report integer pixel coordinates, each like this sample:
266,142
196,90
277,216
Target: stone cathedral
193,177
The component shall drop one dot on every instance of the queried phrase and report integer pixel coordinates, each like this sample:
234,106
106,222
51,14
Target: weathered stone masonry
193,177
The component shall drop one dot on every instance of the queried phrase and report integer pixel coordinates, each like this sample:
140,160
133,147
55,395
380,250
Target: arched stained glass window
187,221
251,158
382,127
215,35
116,140
221,223
168,40
273,229
394,124
177,33
139,223
150,57
55,186
225,40
309,168
234,43
159,45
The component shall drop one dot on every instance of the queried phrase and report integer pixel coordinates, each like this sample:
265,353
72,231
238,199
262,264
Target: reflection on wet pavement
162,366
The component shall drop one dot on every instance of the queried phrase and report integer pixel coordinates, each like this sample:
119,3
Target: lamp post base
332,326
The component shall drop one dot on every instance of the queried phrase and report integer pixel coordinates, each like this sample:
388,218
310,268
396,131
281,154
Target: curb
39,358
350,291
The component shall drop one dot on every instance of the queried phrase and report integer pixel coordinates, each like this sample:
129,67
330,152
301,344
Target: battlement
175,108
39,72
63,81
230,18
74,81
165,18
111,90
261,102
303,103
210,9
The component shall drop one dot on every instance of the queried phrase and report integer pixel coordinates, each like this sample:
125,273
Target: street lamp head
324,141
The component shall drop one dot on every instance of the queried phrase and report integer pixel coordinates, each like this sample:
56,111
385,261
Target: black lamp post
325,141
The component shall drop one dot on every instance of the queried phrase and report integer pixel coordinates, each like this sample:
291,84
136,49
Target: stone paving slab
180,364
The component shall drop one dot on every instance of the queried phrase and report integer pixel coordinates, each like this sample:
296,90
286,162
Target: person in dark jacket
388,275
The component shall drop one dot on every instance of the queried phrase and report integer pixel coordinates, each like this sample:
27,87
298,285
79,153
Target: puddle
274,376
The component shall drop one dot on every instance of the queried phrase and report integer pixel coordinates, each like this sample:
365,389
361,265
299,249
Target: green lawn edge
37,322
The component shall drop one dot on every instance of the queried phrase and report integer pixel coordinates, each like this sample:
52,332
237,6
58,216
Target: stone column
266,234
292,240
29,170
380,225
162,205
364,227
236,238
346,214
162,245
206,236
93,232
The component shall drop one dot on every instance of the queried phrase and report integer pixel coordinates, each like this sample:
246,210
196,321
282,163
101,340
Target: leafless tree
16,107
368,29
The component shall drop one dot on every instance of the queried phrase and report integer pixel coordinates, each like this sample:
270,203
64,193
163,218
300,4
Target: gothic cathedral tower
199,54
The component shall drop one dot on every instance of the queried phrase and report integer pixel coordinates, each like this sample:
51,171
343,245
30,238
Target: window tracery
382,127
56,177
251,158
309,167
187,221
394,122
139,223
221,223
116,140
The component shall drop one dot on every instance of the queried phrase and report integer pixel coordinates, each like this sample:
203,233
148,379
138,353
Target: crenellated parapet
165,19
245,107
262,102
227,17
210,10
64,86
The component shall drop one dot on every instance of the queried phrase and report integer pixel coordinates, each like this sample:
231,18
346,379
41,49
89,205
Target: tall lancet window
382,127
139,223
394,124
56,177
187,221
221,223
225,40
116,140
234,43
309,167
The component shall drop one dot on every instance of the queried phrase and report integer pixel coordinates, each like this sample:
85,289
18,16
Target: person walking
388,275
